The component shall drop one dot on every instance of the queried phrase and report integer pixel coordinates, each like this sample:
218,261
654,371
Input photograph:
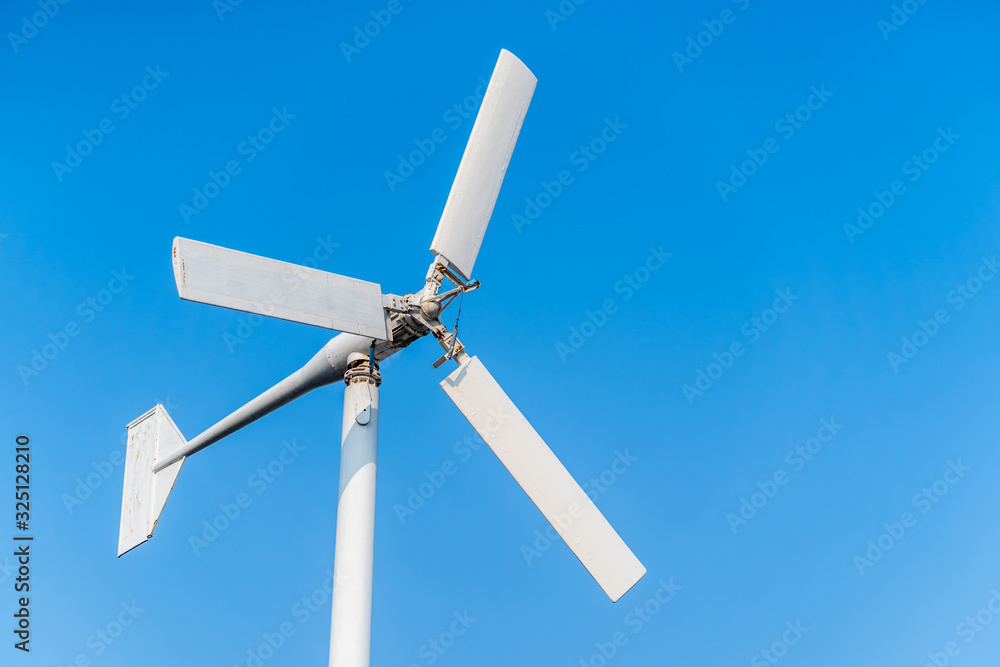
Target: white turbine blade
546,481
480,174
241,281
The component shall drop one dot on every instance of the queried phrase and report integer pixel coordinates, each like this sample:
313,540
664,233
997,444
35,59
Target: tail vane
150,437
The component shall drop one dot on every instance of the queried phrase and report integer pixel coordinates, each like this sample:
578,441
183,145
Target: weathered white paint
241,281
145,492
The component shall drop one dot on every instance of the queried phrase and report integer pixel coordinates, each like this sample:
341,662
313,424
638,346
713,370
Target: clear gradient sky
740,276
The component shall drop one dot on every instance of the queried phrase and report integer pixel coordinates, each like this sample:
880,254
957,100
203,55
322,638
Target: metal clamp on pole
362,368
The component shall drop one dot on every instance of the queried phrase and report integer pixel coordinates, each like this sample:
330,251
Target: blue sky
747,136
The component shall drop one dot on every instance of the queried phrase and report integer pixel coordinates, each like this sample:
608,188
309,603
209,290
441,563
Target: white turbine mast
376,326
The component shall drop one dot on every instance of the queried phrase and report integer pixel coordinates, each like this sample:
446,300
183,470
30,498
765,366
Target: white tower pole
351,625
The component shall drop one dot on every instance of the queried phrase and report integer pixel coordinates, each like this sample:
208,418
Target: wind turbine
376,326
